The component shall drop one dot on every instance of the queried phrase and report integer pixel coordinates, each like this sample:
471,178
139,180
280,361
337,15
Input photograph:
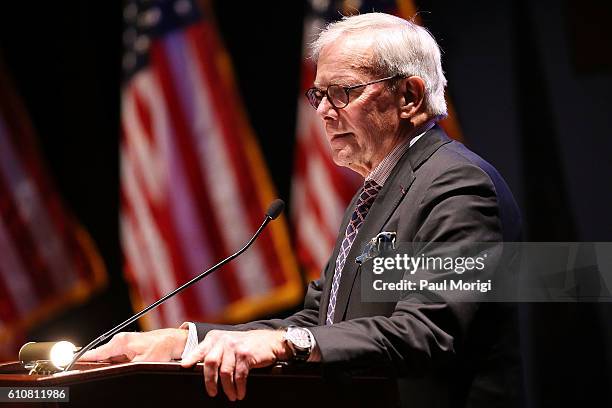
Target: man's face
364,131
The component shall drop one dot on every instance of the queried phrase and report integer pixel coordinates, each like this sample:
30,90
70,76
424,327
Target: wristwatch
299,341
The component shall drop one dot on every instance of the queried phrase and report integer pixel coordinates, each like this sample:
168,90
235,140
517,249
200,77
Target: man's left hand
230,355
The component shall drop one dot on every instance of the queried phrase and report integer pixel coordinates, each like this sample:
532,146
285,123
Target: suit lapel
386,202
390,196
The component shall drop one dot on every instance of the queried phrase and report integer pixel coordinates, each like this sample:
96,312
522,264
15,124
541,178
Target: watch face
299,337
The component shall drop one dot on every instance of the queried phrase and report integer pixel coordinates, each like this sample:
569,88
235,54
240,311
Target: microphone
273,211
275,208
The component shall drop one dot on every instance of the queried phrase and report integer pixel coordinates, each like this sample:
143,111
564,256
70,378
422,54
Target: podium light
47,357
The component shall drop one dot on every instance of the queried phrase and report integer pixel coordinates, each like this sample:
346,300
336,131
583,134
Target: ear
412,90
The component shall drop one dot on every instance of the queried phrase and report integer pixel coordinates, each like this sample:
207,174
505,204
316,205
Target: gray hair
399,46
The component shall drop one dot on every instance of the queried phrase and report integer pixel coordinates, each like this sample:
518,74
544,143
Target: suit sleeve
460,205
307,317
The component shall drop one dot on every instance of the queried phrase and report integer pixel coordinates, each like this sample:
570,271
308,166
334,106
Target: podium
168,384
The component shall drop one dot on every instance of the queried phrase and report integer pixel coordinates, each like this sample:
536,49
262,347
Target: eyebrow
341,80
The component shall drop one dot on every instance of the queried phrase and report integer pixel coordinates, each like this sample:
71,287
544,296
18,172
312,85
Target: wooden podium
168,384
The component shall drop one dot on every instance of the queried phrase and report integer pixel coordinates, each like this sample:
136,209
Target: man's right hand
156,345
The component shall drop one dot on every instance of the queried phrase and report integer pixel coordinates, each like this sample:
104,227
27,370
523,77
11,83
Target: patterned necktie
366,198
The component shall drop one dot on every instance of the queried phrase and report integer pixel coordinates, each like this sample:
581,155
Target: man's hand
231,354
156,345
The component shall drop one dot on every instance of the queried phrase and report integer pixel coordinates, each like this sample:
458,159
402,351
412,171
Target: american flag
320,189
47,261
194,186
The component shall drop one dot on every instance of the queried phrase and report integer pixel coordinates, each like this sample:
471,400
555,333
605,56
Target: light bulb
62,353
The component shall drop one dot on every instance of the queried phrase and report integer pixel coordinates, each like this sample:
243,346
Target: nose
326,110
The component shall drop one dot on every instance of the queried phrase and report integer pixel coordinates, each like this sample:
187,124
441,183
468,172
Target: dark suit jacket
447,353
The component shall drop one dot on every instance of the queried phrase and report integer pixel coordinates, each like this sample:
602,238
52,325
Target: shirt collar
381,173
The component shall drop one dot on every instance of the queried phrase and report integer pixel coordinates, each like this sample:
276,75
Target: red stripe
162,220
305,257
144,114
127,211
8,311
162,217
205,42
209,224
163,309
326,232
303,244
33,166
309,194
309,71
323,234
129,274
149,285
24,244
207,46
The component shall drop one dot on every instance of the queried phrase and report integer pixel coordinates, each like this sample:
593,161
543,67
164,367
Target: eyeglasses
338,95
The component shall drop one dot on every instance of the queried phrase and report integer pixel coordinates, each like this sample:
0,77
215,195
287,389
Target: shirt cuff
315,353
192,338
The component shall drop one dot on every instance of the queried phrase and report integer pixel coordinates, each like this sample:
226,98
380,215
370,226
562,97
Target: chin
342,158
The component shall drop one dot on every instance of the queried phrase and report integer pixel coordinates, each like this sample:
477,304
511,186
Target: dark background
530,80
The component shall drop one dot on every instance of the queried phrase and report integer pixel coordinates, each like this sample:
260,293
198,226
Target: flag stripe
192,241
137,266
239,186
327,230
160,214
319,187
315,249
38,274
155,248
7,309
190,153
237,173
35,215
200,116
79,260
137,261
15,277
308,200
146,153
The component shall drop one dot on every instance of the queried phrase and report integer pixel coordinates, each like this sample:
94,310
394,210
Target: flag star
130,11
182,7
129,61
142,44
129,36
319,5
150,18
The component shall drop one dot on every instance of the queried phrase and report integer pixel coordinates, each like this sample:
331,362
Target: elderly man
379,91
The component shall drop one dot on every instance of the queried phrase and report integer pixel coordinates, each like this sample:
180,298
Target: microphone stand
132,319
